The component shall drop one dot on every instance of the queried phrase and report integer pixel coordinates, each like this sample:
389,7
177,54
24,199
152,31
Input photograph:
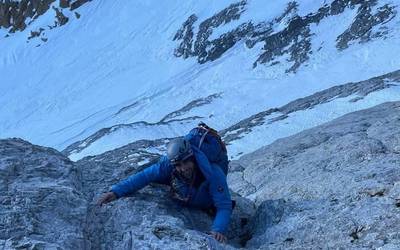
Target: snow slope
115,67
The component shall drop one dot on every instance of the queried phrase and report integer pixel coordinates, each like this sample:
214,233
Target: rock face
48,202
13,14
17,15
333,186
295,39
41,201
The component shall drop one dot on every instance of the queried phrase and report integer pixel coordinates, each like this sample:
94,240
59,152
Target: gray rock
332,186
49,202
41,203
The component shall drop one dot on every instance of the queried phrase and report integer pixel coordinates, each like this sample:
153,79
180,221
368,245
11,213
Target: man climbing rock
195,167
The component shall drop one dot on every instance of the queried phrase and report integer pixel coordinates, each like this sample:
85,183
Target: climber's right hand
106,198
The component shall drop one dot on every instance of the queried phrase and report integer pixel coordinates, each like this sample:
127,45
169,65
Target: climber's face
186,169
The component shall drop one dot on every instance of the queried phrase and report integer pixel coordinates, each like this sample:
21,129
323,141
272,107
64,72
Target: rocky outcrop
42,205
333,186
362,27
18,15
294,40
48,202
201,42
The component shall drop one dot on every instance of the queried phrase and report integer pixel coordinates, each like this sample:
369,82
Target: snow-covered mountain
91,76
290,86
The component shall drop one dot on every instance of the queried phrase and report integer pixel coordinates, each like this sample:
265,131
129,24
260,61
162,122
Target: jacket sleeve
222,201
158,172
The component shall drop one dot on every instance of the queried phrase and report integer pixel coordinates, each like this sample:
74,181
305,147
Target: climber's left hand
219,236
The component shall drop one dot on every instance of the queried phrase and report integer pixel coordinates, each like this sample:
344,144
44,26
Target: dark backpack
210,143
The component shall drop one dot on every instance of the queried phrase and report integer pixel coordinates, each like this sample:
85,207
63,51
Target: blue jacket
213,191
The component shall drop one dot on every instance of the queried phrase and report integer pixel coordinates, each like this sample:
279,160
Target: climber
195,167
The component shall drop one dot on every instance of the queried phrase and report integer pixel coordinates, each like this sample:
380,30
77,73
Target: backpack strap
203,137
212,131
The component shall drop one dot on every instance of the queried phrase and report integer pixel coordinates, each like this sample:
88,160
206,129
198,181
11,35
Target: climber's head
181,156
179,150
